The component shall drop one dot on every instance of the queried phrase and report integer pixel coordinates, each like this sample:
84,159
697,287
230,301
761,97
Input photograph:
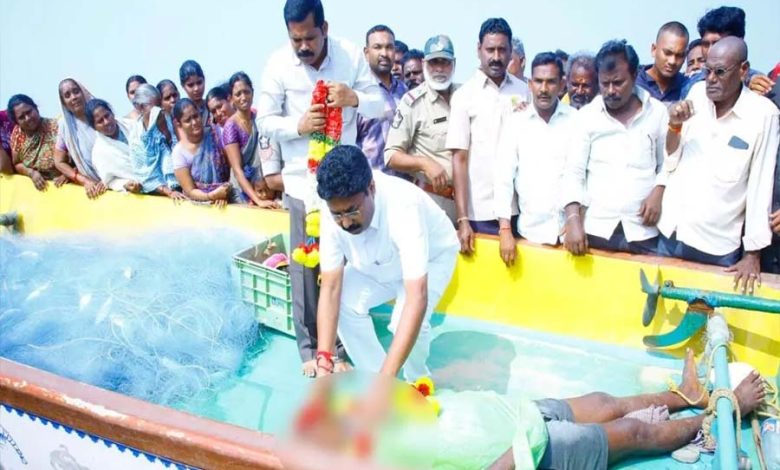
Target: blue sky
101,43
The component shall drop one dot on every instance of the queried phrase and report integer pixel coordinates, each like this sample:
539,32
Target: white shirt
530,162
407,232
477,110
285,95
612,168
721,175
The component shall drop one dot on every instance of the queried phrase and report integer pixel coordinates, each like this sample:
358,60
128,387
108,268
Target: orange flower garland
320,143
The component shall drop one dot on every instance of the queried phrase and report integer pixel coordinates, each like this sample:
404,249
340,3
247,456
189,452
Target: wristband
676,129
461,219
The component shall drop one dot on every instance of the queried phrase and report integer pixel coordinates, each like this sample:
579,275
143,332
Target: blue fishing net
157,317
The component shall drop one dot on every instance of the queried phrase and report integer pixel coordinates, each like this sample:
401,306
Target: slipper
688,454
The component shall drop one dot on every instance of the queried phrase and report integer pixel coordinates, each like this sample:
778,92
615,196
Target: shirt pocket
730,164
387,264
642,153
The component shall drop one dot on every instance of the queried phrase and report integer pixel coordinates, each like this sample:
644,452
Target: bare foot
309,368
750,392
342,366
690,386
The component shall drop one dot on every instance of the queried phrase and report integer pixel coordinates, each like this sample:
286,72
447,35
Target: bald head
731,48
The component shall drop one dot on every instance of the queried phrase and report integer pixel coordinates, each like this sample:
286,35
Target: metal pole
726,452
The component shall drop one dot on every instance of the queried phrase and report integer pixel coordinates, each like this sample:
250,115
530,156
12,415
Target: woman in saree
32,143
240,140
132,84
194,83
111,153
150,145
169,95
75,139
198,159
218,101
6,127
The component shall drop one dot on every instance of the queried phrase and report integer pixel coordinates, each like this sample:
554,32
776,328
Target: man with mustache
531,156
371,133
694,58
411,65
398,69
721,148
614,163
663,79
416,139
382,239
581,81
285,114
478,108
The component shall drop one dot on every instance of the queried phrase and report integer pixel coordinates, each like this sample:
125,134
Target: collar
378,203
741,108
561,109
639,92
484,80
677,82
432,95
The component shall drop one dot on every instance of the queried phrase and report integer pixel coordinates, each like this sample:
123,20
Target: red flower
424,389
313,165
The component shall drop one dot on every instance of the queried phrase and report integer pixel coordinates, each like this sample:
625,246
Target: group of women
199,148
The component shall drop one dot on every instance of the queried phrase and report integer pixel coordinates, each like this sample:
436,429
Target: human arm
747,272
276,122
504,176
650,209
370,102
38,180
573,193
412,316
459,141
760,84
6,166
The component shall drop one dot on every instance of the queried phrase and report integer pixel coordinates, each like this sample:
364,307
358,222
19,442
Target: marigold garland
320,143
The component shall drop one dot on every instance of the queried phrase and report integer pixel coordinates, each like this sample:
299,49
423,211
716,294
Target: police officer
416,139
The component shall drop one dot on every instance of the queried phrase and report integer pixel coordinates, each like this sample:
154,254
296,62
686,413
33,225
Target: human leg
439,276
360,293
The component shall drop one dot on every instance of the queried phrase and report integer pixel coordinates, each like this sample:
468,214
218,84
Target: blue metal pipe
726,452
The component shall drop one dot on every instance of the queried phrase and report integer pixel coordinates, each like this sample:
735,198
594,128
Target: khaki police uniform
419,128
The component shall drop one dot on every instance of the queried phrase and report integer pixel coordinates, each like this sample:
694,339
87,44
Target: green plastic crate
267,289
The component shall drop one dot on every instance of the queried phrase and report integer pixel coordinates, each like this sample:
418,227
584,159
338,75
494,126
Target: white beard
436,85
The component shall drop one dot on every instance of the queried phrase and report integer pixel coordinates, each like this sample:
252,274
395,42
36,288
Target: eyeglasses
719,72
351,215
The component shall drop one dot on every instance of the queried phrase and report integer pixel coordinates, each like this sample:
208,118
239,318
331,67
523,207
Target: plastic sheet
156,317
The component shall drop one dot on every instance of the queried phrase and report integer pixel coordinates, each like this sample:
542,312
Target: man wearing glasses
720,157
384,240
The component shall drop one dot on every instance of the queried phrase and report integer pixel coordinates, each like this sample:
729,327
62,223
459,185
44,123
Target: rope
706,426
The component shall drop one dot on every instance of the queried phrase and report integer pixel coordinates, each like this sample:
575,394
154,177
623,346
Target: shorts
571,446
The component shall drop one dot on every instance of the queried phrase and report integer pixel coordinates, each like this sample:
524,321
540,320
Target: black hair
546,58
15,101
343,172
178,108
296,11
188,69
605,59
412,54
134,78
164,83
561,54
495,26
239,77
693,45
380,28
93,105
726,21
674,27
220,92
401,46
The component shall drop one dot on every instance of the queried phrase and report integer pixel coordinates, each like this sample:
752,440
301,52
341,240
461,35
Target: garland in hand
320,143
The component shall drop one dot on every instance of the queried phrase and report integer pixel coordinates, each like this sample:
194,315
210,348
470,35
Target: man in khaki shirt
416,139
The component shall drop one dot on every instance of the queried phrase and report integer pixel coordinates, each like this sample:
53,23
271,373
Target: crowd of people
676,158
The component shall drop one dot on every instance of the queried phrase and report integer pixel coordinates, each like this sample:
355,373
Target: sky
102,42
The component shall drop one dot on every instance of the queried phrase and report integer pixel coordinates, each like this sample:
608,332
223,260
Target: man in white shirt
382,239
721,147
477,110
614,164
286,116
531,156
